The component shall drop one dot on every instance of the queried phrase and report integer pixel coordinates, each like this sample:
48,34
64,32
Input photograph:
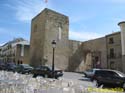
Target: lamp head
53,43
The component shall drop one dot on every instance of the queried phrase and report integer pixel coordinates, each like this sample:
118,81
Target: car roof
50,67
96,69
116,71
25,65
108,70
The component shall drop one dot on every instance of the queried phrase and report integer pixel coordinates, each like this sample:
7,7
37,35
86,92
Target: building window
111,40
112,54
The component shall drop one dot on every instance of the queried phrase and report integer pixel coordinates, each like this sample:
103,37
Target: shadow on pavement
85,79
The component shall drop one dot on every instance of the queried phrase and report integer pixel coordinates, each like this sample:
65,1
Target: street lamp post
53,64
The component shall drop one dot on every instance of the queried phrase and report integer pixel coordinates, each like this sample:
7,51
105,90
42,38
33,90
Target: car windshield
11,64
42,67
120,74
55,68
26,66
90,70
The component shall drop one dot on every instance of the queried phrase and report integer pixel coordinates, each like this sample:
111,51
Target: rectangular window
111,40
112,54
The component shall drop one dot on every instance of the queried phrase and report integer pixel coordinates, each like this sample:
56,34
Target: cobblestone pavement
86,83
78,78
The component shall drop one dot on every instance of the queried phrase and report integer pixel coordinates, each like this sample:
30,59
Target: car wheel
85,75
123,86
46,76
56,77
34,76
95,82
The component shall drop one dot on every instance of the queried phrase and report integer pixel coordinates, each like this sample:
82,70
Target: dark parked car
109,77
47,72
11,67
24,68
2,66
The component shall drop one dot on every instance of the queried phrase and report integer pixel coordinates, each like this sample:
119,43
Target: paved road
79,78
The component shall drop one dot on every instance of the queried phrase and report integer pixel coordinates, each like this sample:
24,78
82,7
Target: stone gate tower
47,26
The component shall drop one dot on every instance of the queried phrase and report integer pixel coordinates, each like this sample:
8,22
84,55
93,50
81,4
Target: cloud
7,32
11,33
1,44
83,35
25,10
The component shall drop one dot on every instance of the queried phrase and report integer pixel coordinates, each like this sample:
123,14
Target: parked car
11,67
47,72
89,73
24,68
2,66
109,77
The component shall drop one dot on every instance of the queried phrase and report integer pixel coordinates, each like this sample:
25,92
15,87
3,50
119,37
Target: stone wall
97,48
48,23
37,39
69,54
76,55
83,54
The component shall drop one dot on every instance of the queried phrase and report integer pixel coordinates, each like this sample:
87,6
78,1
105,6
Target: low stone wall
17,83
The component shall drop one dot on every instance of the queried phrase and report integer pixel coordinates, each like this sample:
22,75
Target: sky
89,19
